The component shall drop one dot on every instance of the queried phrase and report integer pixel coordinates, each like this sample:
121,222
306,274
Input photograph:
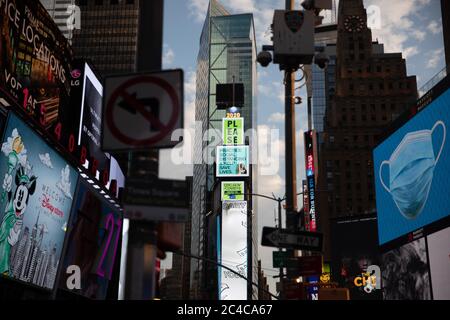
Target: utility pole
140,271
291,170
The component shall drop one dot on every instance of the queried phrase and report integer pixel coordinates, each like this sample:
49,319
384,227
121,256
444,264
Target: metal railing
434,81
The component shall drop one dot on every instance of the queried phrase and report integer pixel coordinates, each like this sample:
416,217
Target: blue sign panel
412,171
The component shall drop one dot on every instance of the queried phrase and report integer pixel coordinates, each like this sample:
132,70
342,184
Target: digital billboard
354,247
35,61
93,238
232,191
37,191
411,172
404,272
90,115
233,250
233,161
233,131
311,180
439,254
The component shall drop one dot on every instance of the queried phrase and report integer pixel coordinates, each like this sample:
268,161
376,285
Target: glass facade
227,53
109,35
324,87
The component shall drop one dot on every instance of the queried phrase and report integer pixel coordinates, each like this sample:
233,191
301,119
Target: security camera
264,58
322,60
317,4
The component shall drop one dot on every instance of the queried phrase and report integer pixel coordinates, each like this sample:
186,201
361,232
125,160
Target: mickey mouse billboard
36,195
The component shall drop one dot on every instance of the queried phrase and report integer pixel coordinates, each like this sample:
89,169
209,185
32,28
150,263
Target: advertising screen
92,242
233,161
404,272
411,172
354,248
35,61
91,116
232,191
37,191
234,250
233,131
439,253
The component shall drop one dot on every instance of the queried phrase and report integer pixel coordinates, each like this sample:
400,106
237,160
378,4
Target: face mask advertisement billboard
93,238
37,191
412,173
233,161
233,250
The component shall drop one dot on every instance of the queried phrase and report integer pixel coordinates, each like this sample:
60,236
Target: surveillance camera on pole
293,38
321,59
264,58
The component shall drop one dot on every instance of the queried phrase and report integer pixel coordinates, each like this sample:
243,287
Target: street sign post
141,111
156,200
273,237
280,259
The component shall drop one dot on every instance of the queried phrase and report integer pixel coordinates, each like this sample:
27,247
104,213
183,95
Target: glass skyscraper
227,54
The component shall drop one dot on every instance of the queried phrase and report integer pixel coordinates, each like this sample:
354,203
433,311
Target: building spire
350,7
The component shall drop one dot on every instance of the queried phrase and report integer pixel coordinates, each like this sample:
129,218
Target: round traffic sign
122,93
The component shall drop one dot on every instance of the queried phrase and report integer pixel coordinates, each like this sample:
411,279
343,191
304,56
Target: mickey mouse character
12,222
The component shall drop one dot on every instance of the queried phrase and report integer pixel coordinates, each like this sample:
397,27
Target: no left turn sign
142,110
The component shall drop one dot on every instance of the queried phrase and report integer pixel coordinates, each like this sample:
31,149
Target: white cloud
419,35
435,27
277,117
46,161
168,56
435,57
65,184
397,23
410,51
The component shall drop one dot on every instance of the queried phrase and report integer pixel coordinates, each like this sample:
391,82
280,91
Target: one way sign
311,241
141,111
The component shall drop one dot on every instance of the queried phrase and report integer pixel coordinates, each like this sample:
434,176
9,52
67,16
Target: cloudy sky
412,27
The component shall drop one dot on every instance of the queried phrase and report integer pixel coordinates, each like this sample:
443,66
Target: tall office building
227,53
62,12
372,90
114,35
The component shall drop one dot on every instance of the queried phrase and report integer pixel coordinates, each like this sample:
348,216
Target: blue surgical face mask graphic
411,169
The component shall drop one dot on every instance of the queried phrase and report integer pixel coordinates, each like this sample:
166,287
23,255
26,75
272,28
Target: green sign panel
233,161
233,131
280,259
233,191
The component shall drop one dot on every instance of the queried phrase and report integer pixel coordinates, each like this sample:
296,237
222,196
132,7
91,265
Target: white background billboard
439,253
234,250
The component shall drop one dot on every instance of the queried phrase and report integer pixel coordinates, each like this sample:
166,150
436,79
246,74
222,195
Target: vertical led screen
36,196
405,274
354,248
233,250
411,172
310,163
93,239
